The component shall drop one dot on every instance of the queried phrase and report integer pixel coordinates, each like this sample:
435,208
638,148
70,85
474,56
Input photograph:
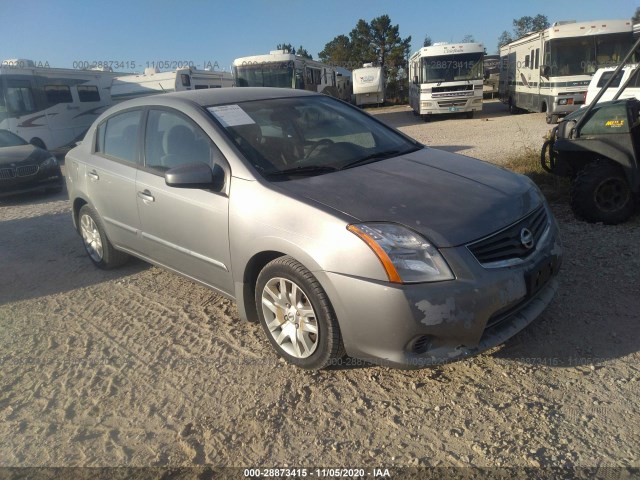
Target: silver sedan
340,235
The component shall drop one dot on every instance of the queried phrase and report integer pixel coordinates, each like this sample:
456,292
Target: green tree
338,51
427,41
468,39
526,24
636,16
378,42
504,38
522,26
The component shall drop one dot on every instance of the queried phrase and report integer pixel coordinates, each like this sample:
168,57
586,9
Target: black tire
426,117
600,192
328,347
548,120
107,257
470,114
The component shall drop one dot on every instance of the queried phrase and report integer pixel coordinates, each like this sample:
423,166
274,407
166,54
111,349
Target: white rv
287,70
446,78
51,107
368,85
152,82
548,71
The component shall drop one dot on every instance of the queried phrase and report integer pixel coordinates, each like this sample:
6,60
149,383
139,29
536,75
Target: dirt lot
140,367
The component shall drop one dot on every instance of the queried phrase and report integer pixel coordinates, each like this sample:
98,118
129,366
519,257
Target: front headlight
49,162
406,256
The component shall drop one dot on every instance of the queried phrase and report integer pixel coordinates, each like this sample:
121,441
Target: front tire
297,316
600,193
97,245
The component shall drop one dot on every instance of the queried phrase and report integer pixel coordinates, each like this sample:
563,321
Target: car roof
215,96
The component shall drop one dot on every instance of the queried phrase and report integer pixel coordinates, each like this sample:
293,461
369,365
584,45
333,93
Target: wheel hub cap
290,317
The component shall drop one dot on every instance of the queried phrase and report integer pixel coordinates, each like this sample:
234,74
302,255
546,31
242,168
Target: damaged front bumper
427,324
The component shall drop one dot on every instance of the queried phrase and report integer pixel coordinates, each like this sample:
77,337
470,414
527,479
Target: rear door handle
146,196
93,176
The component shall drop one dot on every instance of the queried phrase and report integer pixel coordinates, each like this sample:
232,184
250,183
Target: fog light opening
421,344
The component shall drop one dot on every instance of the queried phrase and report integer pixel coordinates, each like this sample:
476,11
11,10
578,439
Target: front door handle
93,176
146,196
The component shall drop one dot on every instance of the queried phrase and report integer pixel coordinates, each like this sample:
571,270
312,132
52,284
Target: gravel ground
139,367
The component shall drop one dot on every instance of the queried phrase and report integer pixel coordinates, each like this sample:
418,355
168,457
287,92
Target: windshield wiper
374,157
302,170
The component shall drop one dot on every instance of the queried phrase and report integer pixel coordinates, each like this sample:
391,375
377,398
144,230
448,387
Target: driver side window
173,140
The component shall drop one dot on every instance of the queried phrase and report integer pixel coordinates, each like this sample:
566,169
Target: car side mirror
195,175
545,70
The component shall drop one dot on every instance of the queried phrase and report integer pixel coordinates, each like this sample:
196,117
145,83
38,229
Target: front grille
7,173
453,103
506,245
27,170
22,171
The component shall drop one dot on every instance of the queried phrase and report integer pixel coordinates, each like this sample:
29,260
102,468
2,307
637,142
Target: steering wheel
324,141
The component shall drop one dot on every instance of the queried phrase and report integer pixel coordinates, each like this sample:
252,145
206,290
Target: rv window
19,97
537,58
200,87
526,61
58,94
120,136
88,93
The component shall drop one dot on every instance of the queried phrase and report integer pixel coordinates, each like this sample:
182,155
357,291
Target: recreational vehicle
51,107
152,82
549,70
446,78
368,85
287,70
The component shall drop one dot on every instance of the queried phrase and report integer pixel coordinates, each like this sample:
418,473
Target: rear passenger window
118,136
173,140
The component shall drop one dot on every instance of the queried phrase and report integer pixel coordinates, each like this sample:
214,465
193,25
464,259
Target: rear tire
297,316
600,192
470,114
97,245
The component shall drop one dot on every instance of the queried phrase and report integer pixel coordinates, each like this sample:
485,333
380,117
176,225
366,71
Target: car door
185,229
111,176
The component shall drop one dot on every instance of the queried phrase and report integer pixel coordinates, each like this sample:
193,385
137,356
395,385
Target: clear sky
66,32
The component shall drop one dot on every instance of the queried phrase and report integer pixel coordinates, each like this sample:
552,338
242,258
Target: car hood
22,154
449,198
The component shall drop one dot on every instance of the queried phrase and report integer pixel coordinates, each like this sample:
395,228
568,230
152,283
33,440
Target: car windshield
303,136
8,139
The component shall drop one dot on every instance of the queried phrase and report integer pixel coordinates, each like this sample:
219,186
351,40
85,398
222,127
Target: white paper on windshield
231,115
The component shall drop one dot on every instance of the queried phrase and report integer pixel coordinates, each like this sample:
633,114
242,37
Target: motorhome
51,107
603,75
549,70
153,82
368,85
283,69
446,78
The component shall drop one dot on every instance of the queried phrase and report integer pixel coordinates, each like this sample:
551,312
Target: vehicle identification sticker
231,115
